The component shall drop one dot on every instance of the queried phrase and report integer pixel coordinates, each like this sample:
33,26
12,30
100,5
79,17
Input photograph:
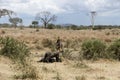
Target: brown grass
98,70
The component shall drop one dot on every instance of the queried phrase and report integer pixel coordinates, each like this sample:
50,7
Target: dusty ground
98,70
66,70
6,72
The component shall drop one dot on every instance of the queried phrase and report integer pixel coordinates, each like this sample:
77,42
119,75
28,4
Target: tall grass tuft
58,77
80,77
67,54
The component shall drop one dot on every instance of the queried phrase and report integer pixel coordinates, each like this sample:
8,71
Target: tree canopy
4,12
35,23
45,17
15,21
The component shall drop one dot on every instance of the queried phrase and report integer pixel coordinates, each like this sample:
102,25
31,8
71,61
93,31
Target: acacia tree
45,17
15,21
35,23
4,12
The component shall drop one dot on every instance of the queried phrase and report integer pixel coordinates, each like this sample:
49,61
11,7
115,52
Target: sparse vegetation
44,50
45,69
101,78
47,43
80,65
67,54
58,77
68,43
28,72
73,66
80,77
38,47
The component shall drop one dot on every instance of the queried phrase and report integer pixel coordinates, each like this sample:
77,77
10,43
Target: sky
67,11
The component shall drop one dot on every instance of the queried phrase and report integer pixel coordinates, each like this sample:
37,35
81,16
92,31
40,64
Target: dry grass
31,35
98,70
80,77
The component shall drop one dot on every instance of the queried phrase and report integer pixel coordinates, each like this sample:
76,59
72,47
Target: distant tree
15,21
58,26
74,27
51,26
35,23
30,26
5,25
4,12
45,17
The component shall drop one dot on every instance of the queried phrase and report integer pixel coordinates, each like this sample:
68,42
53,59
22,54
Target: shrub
74,27
114,50
13,49
93,49
51,26
18,52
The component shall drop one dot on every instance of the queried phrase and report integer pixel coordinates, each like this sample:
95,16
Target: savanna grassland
72,66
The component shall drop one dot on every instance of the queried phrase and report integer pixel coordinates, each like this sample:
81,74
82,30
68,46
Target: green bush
13,49
51,26
19,53
93,49
114,50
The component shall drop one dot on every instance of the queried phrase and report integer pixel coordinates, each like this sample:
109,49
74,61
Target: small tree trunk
45,25
34,25
15,25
